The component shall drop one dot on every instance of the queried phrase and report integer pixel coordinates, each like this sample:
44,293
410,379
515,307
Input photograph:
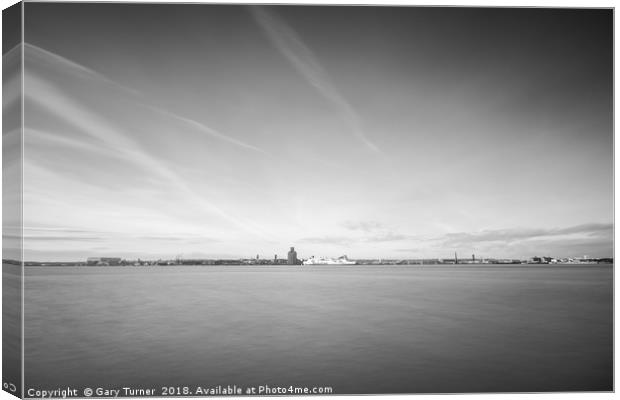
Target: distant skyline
395,132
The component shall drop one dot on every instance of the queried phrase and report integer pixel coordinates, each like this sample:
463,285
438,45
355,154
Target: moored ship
342,260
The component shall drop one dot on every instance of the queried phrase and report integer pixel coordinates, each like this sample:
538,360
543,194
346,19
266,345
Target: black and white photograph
206,199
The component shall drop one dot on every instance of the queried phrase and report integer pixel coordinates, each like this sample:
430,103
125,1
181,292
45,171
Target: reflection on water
359,329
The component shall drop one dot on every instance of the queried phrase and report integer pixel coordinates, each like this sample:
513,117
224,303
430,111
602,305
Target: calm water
359,329
11,326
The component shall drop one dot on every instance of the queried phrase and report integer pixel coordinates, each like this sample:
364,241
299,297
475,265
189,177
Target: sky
158,131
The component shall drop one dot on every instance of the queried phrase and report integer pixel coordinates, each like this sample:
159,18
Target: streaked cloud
374,232
590,238
337,240
205,129
236,130
288,42
12,83
366,237
387,236
39,136
592,230
45,56
364,226
63,238
185,239
55,101
56,229
42,55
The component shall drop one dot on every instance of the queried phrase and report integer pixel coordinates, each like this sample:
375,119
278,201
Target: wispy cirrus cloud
374,232
205,129
59,230
49,57
338,240
42,55
62,234
366,236
292,47
591,230
388,236
74,235
67,109
183,239
38,136
63,238
592,238
12,83
364,226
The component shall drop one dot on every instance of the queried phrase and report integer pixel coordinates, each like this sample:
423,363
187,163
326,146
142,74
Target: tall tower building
292,257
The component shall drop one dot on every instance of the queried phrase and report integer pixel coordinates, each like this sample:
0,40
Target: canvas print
243,199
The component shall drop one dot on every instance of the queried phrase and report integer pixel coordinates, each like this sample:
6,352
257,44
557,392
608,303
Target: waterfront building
103,261
292,257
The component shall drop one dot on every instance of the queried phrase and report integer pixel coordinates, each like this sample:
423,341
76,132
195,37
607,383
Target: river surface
357,329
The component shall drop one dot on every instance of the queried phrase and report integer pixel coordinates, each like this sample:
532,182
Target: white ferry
342,260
